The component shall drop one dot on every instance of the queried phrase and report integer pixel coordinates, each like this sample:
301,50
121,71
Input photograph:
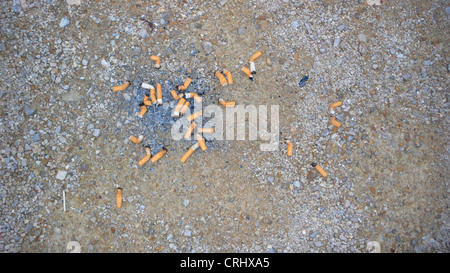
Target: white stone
61,175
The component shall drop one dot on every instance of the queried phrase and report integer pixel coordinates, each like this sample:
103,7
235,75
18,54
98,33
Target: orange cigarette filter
136,140
195,115
184,108
196,97
255,56
143,110
205,130
190,130
122,86
247,72
152,95
222,79
336,104
189,152
147,100
176,111
229,77
290,147
119,197
159,94
335,122
159,155
146,157
157,61
187,82
227,103
318,168
201,142
175,95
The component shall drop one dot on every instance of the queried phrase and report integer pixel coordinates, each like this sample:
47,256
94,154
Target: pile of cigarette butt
154,96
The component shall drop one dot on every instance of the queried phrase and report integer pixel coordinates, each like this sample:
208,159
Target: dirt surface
64,129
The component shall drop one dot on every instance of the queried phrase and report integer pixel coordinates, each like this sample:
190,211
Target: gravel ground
63,129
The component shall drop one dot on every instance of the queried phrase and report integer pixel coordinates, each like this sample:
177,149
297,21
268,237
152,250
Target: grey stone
64,22
72,96
57,230
242,30
362,38
143,33
61,175
126,96
207,47
73,2
337,41
222,3
105,63
96,132
29,111
36,137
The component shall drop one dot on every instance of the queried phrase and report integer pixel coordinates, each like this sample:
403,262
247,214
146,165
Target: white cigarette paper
147,86
252,67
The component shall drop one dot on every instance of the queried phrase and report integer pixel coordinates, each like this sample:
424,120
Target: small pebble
64,22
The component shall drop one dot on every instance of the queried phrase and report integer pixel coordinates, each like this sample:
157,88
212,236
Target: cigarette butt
247,72
122,86
227,103
255,56
205,130
146,157
119,197
176,111
190,95
147,86
201,142
222,79
229,77
159,155
190,130
136,140
335,122
321,171
157,61
189,152
290,147
195,115
159,94
184,86
336,104
252,68
175,95
152,95
147,100
143,109
184,108
196,97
